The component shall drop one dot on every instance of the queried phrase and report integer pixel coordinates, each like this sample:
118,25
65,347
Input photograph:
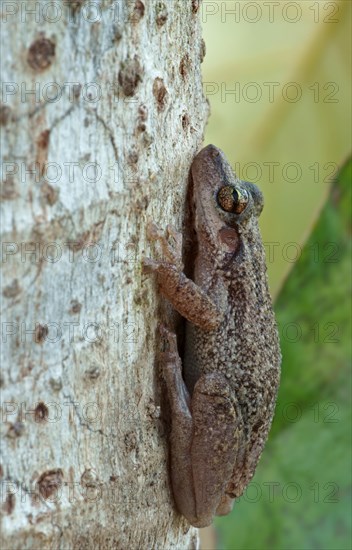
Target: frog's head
224,205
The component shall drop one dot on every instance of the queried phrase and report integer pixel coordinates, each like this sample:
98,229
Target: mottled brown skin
223,407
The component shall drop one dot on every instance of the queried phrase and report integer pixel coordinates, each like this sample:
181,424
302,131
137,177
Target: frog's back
245,349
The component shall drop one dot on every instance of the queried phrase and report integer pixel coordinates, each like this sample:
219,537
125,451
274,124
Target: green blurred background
278,79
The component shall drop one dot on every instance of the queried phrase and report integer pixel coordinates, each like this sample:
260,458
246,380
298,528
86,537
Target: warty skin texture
222,407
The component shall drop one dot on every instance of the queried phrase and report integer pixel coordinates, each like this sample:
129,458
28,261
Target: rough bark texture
101,115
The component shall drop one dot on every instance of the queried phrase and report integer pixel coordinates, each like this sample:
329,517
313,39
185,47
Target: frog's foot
170,340
169,356
172,365
225,506
171,244
175,237
149,265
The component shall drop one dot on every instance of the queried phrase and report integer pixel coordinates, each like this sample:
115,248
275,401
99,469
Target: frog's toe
153,231
170,338
149,265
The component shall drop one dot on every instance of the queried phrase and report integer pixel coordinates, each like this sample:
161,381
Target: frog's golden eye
232,199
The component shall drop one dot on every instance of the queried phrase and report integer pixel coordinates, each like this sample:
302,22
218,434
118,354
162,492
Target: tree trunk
102,113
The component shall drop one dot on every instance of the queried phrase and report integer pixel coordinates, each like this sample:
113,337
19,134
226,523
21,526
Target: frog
222,391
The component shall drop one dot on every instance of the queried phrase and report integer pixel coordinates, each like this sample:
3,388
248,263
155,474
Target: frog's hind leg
216,432
181,432
204,439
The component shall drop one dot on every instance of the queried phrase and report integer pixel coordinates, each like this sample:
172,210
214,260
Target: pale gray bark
102,145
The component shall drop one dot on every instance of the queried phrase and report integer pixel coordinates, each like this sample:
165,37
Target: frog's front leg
186,297
204,440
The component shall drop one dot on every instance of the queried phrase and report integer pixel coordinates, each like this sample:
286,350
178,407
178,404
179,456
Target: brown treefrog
222,394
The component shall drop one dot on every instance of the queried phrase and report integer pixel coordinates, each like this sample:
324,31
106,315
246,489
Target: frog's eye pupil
232,199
